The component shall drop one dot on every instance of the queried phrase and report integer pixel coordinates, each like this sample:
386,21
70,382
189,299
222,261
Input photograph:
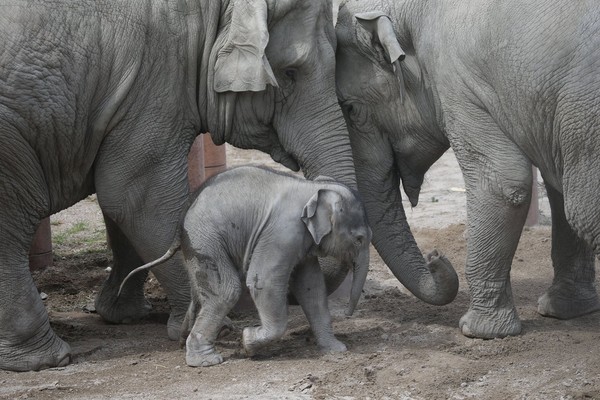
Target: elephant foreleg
498,183
308,286
573,292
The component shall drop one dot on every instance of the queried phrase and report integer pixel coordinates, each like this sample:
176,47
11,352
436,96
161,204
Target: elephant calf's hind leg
218,288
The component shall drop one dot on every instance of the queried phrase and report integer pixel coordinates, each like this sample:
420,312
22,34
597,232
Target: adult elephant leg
144,196
132,304
498,183
174,280
573,292
27,342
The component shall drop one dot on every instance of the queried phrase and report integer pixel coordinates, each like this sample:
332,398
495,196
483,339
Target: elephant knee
231,293
517,195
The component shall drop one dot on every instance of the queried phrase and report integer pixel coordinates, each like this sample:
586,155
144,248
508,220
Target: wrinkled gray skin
107,97
506,84
269,228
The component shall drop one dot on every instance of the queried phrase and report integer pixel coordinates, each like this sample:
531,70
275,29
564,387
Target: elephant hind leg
131,304
267,279
216,288
27,342
573,292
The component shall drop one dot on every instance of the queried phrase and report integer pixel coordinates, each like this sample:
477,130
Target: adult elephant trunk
432,280
320,144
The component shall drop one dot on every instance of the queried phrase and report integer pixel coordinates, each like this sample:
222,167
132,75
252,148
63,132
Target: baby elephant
268,228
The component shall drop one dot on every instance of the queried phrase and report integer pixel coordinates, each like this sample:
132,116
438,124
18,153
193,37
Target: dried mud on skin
399,347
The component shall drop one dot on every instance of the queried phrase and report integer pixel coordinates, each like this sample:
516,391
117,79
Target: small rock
89,308
43,296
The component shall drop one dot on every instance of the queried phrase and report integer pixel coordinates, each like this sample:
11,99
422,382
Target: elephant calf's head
338,224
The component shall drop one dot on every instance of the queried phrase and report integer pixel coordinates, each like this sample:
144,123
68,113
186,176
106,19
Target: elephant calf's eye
359,241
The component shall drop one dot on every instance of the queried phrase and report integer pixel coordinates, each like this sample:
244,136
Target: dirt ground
399,347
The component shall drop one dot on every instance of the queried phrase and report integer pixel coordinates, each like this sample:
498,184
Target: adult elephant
107,97
506,85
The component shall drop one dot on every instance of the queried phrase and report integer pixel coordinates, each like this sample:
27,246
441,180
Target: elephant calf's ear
241,64
318,212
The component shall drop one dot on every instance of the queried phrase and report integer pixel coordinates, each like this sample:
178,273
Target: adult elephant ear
380,26
241,63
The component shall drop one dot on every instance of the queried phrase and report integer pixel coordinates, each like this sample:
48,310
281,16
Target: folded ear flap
241,63
317,214
380,26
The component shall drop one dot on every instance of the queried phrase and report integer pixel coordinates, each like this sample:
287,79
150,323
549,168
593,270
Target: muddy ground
399,347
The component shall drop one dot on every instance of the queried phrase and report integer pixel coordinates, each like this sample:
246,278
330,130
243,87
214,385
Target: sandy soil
399,347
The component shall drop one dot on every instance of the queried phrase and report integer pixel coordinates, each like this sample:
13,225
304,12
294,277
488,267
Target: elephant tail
172,250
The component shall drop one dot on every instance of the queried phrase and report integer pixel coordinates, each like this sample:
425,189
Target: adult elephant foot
174,324
200,352
123,309
492,324
39,351
569,300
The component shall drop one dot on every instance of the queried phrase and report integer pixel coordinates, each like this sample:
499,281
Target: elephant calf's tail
172,250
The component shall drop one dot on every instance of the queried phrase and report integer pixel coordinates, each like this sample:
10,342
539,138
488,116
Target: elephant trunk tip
444,277
355,293
350,310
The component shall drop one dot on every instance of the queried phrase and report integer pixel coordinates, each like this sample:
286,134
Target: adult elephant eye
291,73
348,108
357,114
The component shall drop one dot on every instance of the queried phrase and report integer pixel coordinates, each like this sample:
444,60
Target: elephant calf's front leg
308,286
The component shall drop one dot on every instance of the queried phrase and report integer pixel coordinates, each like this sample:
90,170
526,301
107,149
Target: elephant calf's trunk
361,268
